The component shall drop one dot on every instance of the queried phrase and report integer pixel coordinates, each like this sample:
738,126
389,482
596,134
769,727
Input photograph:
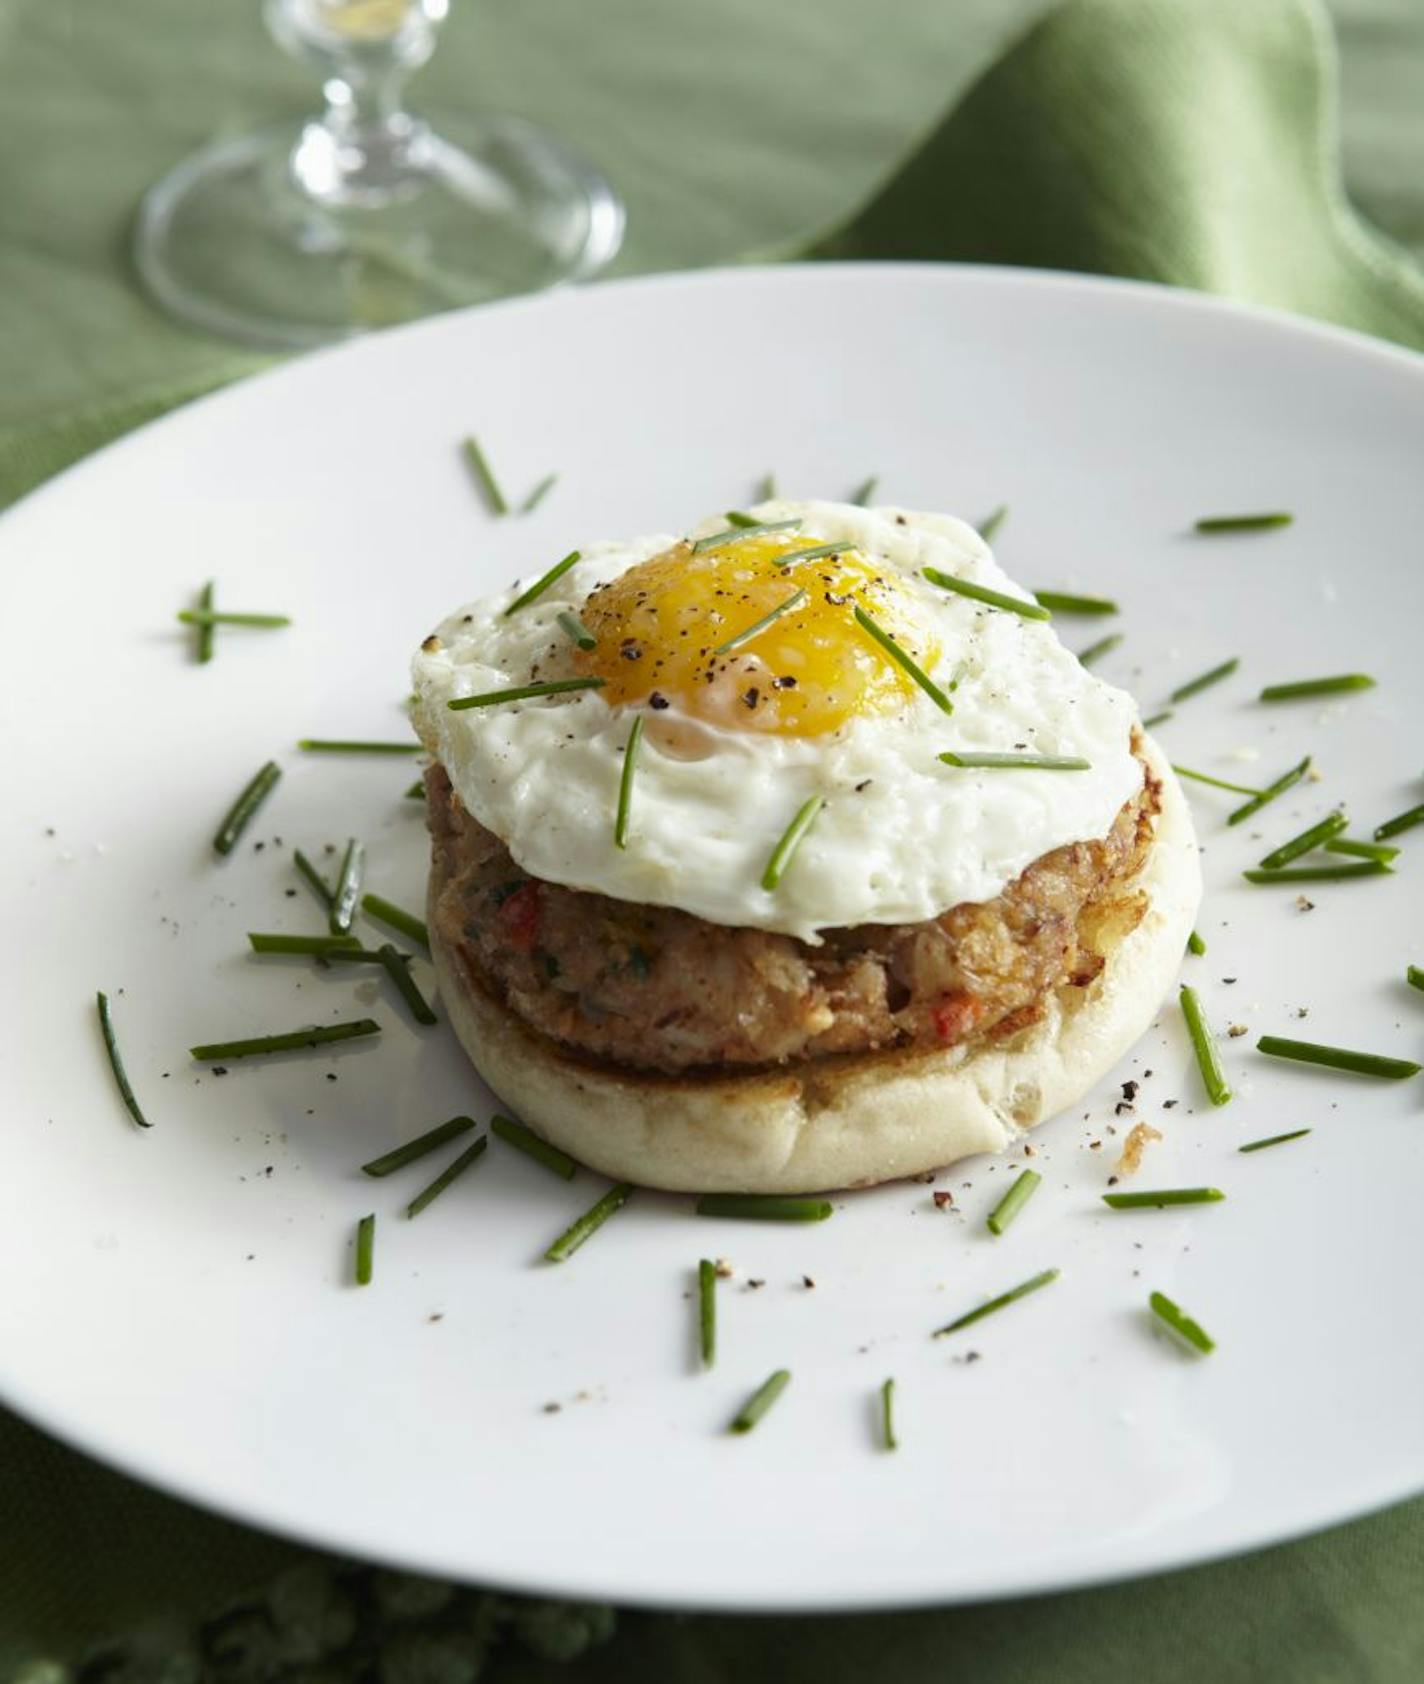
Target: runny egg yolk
808,672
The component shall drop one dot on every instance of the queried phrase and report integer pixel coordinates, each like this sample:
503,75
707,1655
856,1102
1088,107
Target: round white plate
180,1303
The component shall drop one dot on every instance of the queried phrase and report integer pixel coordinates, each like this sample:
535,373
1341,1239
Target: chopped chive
525,1140
1320,873
1272,1140
760,1401
576,631
1181,1323
538,494
397,968
203,645
763,1207
1218,1089
1096,651
353,955
315,945
1195,944
1287,780
991,524
767,489
720,540
1216,783
1193,686
735,517
904,660
330,745
887,1415
365,1249
757,627
1028,762
707,1311
1362,850
785,849
416,792
207,617
1012,1296
1157,719
116,1063
1414,976
1064,602
484,476
427,1195
542,583
383,911
240,814
348,889
1402,821
1025,1185
865,491
1317,687
1164,1197
1242,523
523,692
314,878
625,783
1337,1058
1331,825
588,1224
981,593
313,1037
815,553
389,1162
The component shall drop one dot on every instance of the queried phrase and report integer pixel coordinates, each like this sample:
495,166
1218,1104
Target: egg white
902,837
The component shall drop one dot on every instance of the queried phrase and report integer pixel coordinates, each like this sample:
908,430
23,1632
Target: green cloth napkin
1191,141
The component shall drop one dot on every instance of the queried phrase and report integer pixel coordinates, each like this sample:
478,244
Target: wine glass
365,215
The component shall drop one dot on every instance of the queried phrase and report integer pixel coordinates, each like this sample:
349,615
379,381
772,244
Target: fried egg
807,655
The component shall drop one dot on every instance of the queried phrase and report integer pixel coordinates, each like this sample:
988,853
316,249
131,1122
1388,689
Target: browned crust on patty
654,989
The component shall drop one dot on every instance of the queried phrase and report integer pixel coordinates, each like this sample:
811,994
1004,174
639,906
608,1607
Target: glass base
230,240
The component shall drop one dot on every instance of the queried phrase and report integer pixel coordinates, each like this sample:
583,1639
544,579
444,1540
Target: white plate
179,1302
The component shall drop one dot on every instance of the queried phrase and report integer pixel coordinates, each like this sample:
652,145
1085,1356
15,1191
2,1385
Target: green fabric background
1192,141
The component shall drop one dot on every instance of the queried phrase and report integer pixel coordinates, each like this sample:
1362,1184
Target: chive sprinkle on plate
116,1062
203,643
1164,1198
904,660
760,1401
397,968
348,889
1195,944
865,490
575,630
625,783
1273,1140
1012,1296
322,1036
766,488
992,522
758,529
757,627
416,792
538,494
452,1171
707,1311
241,813
1096,651
526,1141
1181,1323
1287,780
1216,783
1320,873
431,1141
542,583
1025,1185
365,1249
1194,686
1318,834
335,745
1243,523
484,476
739,517
1337,1058
310,946
1401,822
524,693
1317,687
981,593
211,617
314,878
588,1224
1026,762
377,907
1414,976
1157,719
887,1415
763,1207
1218,1089
1362,850
785,850
1065,602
